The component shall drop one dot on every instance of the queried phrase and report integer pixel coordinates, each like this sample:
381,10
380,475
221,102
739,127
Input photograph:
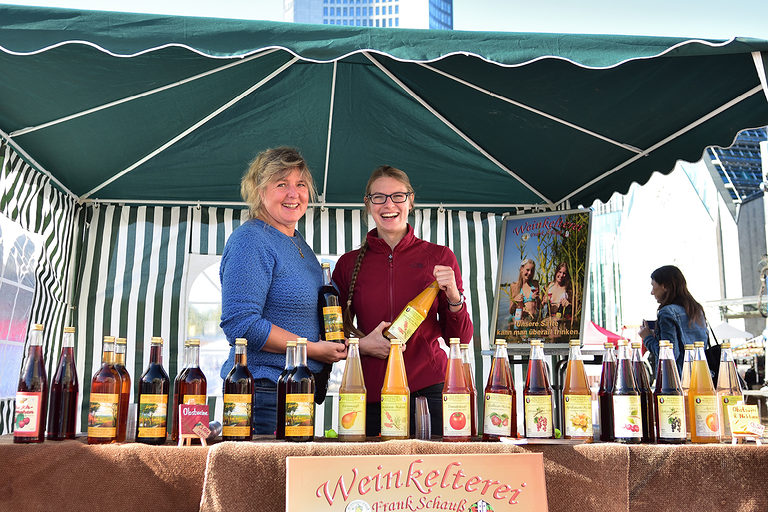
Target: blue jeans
264,414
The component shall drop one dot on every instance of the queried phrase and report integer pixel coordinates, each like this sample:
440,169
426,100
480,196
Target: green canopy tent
123,138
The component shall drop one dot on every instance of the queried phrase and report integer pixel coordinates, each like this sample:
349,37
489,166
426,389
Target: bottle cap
575,343
454,341
665,341
500,341
726,344
301,341
325,264
241,341
622,343
395,341
354,341
536,343
608,344
109,339
156,340
121,341
69,329
194,342
698,344
464,345
688,346
636,344
290,343
37,327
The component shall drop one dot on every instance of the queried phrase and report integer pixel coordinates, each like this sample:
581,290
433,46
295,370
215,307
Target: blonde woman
524,293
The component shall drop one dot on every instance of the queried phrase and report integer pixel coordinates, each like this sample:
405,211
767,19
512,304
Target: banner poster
380,483
541,279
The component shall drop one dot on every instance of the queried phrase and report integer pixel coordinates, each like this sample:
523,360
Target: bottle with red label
300,398
125,389
154,387
499,406
469,375
104,400
457,409
537,396
32,393
192,386
65,387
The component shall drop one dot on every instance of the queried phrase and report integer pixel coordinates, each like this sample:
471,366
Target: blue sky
685,18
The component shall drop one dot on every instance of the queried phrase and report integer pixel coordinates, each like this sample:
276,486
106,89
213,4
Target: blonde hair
268,166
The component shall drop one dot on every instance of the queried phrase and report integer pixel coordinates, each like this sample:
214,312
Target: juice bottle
103,409
702,400
395,396
330,309
175,407
410,318
668,398
32,393
457,408
537,396
500,414
300,398
685,383
627,411
469,376
646,394
290,364
154,385
577,397
352,397
238,397
192,386
62,410
729,390
605,393
125,389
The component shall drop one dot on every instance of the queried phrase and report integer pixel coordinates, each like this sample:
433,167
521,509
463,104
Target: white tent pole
111,104
192,128
531,109
664,141
328,138
758,58
456,129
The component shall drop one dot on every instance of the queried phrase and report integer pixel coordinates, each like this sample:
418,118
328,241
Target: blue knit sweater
265,281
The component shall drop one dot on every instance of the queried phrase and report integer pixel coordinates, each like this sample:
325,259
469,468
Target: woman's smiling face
391,218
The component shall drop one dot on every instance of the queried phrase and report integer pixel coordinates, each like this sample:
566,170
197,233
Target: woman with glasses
375,283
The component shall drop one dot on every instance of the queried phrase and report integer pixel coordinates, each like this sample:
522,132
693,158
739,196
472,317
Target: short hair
270,165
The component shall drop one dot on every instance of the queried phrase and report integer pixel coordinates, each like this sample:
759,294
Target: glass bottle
469,376
352,397
627,411
62,410
395,396
537,396
605,393
646,394
685,383
238,397
104,405
125,389
193,386
500,411
290,364
176,399
457,408
702,400
577,397
32,393
668,398
154,385
300,398
729,390
330,309
410,318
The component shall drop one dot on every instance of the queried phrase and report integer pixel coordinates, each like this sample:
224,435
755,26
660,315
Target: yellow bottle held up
395,397
410,318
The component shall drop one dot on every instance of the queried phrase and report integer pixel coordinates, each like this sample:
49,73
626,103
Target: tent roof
145,108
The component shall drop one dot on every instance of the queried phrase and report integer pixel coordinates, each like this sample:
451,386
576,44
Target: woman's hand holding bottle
375,344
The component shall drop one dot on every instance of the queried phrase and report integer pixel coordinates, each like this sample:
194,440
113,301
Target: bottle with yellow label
192,386
105,398
685,384
729,390
537,396
300,398
238,397
413,314
352,397
499,404
330,309
125,389
457,407
577,397
704,422
668,398
154,387
395,396
627,411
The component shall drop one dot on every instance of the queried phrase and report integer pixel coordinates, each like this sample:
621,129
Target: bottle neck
119,354
241,359
290,357
609,355
623,353
537,352
36,338
455,352
353,351
501,352
193,356
327,276
637,356
698,354
689,355
666,353
108,353
68,341
301,354
574,353
156,354
726,356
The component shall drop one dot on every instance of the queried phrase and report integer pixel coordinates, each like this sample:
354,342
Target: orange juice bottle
685,383
395,396
457,410
729,390
352,394
704,422
537,396
470,378
410,318
577,397
500,418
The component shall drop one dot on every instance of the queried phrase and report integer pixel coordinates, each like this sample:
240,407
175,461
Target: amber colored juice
457,411
106,382
352,398
125,397
395,397
537,385
500,383
193,389
706,418
576,385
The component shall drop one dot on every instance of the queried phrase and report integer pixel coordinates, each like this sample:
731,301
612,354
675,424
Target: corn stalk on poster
542,272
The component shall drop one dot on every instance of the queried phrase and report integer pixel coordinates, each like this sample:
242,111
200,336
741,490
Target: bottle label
627,416
498,414
26,422
236,421
352,414
578,415
671,416
394,415
195,400
705,416
102,415
153,414
725,401
457,415
334,324
406,324
299,415
538,416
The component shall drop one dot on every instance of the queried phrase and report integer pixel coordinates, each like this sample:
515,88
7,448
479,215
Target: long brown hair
676,292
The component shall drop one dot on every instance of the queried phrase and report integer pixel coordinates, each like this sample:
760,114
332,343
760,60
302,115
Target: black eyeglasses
397,197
